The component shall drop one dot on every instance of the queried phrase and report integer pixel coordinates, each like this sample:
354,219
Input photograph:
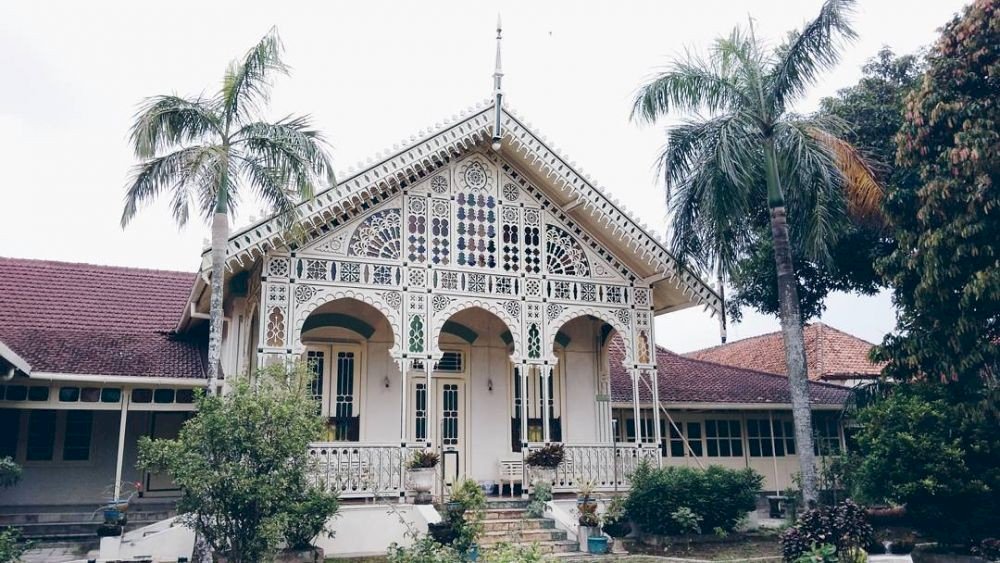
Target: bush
718,495
824,553
549,456
11,546
308,516
423,550
616,522
541,494
242,463
843,526
10,472
504,552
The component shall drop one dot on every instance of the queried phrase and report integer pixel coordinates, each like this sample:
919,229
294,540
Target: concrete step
506,503
54,531
505,513
23,519
515,524
559,546
522,536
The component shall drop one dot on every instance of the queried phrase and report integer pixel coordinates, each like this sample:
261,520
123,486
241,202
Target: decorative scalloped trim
325,295
606,315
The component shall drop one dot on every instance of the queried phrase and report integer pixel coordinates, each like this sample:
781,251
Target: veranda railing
360,469
608,466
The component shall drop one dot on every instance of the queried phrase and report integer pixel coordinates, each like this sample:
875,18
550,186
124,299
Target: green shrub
11,546
504,552
718,495
10,472
687,521
423,550
823,553
308,516
423,460
843,526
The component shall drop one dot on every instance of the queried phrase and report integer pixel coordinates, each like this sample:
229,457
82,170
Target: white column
120,462
635,406
545,373
523,372
404,436
432,417
656,412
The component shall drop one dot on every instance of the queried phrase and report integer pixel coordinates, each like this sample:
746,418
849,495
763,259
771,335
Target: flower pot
597,544
421,481
547,474
583,534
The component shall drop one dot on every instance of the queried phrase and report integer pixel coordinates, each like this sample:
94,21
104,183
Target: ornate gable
444,203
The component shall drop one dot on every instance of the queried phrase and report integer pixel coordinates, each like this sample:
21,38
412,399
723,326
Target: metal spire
497,91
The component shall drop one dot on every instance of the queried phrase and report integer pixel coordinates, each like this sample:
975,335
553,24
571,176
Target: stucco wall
83,483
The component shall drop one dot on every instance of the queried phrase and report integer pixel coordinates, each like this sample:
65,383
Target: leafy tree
208,151
11,546
873,111
935,449
945,269
744,154
242,464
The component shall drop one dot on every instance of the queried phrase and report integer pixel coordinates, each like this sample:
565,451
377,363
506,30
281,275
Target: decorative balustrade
608,466
355,469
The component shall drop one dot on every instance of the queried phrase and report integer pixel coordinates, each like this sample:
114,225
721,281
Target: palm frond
164,122
270,185
862,189
247,83
810,51
179,171
290,145
689,85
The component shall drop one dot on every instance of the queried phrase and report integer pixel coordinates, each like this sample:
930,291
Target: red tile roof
100,320
686,380
830,354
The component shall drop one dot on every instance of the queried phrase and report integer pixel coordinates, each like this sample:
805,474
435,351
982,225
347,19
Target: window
694,438
10,421
723,438
673,436
344,422
450,362
76,440
677,448
69,394
768,438
826,438
41,435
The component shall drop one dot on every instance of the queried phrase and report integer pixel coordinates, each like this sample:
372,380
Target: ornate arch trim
324,295
607,315
497,308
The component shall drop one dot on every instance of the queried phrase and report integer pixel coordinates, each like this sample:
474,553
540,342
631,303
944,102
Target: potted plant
589,524
544,461
585,493
421,473
616,523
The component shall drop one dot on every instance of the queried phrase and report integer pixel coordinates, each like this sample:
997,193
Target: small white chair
512,471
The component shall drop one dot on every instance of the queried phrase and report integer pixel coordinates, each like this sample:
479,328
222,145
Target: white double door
448,429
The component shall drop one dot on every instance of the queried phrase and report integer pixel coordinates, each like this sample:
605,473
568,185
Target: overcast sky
371,74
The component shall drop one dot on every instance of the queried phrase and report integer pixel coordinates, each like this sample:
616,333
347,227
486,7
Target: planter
304,555
421,481
597,544
583,534
547,474
618,546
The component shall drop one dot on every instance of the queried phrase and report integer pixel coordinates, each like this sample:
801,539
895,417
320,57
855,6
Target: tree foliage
11,544
935,449
945,268
872,112
242,465
743,158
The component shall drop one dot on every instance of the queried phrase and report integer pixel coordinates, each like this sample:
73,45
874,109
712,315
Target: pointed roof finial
497,91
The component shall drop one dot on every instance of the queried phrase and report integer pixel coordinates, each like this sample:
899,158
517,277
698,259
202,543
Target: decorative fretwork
440,232
416,334
563,254
393,299
534,342
475,176
532,241
304,293
553,310
510,240
350,272
275,335
382,274
642,347
623,316
378,236
416,231
512,307
439,184
510,192
278,267
476,229
439,302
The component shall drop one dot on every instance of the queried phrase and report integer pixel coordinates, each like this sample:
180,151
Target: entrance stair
54,523
508,521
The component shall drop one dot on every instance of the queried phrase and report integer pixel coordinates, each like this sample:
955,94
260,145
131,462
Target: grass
737,547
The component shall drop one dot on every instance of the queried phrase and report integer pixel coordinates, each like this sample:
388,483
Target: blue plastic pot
597,544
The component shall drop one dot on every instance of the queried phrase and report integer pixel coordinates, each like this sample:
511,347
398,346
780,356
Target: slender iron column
545,373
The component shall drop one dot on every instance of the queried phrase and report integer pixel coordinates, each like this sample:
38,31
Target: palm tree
742,158
205,151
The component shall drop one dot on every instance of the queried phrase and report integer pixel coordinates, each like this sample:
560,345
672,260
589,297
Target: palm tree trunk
220,236
791,329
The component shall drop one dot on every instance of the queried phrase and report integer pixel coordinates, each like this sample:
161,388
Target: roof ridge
739,368
849,335
732,343
61,263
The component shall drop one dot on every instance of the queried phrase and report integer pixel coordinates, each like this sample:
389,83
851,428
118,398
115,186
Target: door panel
451,398
163,425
